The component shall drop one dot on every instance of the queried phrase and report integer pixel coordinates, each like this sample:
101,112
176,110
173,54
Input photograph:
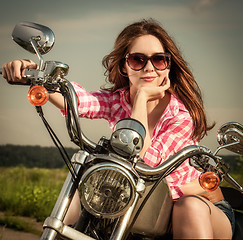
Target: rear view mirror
231,134
24,32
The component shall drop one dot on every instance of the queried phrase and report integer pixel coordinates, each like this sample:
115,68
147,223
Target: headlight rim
107,166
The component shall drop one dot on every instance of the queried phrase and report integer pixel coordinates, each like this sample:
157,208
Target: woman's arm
145,105
57,100
139,112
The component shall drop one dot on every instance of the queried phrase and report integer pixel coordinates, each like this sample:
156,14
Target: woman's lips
148,79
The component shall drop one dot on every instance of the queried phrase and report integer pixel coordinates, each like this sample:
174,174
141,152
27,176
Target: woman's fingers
27,64
5,72
14,71
11,70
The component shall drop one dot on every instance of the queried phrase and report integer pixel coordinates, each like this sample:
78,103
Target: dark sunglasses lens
160,61
136,61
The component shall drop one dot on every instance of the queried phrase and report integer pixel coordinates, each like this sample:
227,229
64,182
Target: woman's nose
149,66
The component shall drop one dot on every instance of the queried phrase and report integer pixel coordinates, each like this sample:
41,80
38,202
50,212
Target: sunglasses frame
168,55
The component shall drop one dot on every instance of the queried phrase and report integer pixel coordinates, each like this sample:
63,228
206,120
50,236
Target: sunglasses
137,61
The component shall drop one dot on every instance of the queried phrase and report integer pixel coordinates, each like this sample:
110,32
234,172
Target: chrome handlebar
86,141
177,159
173,162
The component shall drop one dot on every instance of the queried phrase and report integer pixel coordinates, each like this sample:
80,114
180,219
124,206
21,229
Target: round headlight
107,190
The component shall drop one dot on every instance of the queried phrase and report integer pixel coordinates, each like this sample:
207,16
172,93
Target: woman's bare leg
73,211
195,217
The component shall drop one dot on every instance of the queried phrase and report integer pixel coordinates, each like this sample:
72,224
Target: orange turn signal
38,95
209,181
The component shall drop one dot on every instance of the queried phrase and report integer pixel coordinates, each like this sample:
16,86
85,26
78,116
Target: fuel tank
154,218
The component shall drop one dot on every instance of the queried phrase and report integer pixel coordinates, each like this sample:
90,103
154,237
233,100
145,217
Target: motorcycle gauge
128,137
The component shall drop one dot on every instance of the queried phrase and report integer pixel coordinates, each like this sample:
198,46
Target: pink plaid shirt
171,133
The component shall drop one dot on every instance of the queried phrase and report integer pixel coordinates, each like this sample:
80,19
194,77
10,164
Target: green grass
19,224
30,192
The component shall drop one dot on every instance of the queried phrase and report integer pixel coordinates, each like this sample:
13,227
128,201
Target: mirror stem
33,42
227,145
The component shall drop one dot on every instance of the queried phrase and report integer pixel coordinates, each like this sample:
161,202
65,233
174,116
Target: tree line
49,157
32,156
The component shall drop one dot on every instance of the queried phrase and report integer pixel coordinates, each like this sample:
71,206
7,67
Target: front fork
123,225
54,224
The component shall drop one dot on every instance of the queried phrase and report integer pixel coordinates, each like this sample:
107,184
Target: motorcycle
120,196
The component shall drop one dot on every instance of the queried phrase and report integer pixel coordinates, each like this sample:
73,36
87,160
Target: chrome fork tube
62,204
122,225
121,229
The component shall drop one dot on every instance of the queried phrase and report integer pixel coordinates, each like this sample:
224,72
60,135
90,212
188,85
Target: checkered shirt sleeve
96,104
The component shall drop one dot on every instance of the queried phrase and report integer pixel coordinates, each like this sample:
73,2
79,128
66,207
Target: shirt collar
175,105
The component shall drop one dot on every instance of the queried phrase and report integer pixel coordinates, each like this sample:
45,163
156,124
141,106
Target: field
30,192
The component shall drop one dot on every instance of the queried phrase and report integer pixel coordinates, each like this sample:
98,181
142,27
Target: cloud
201,5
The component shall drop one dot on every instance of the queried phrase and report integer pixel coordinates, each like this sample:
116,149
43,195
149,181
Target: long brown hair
183,84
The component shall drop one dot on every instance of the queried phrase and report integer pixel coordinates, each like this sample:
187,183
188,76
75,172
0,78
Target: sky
209,34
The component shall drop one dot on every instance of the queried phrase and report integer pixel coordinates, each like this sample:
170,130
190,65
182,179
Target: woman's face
149,75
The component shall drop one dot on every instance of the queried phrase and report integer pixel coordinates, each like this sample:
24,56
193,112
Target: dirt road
9,234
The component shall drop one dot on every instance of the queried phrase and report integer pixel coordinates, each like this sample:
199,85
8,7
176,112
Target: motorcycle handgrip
29,74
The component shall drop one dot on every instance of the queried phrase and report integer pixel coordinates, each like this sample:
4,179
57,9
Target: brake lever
229,179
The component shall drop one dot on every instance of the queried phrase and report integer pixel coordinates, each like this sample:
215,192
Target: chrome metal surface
56,69
85,140
65,195
64,230
119,232
74,97
38,53
173,162
130,123
128,137
25,31
232,181
114,158
230,136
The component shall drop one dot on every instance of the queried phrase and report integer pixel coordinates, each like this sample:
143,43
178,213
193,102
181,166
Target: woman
152,83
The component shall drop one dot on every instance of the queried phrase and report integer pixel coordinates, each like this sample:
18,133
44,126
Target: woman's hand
155,92
14,71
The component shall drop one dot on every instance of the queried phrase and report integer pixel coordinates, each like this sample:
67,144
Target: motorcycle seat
235,199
